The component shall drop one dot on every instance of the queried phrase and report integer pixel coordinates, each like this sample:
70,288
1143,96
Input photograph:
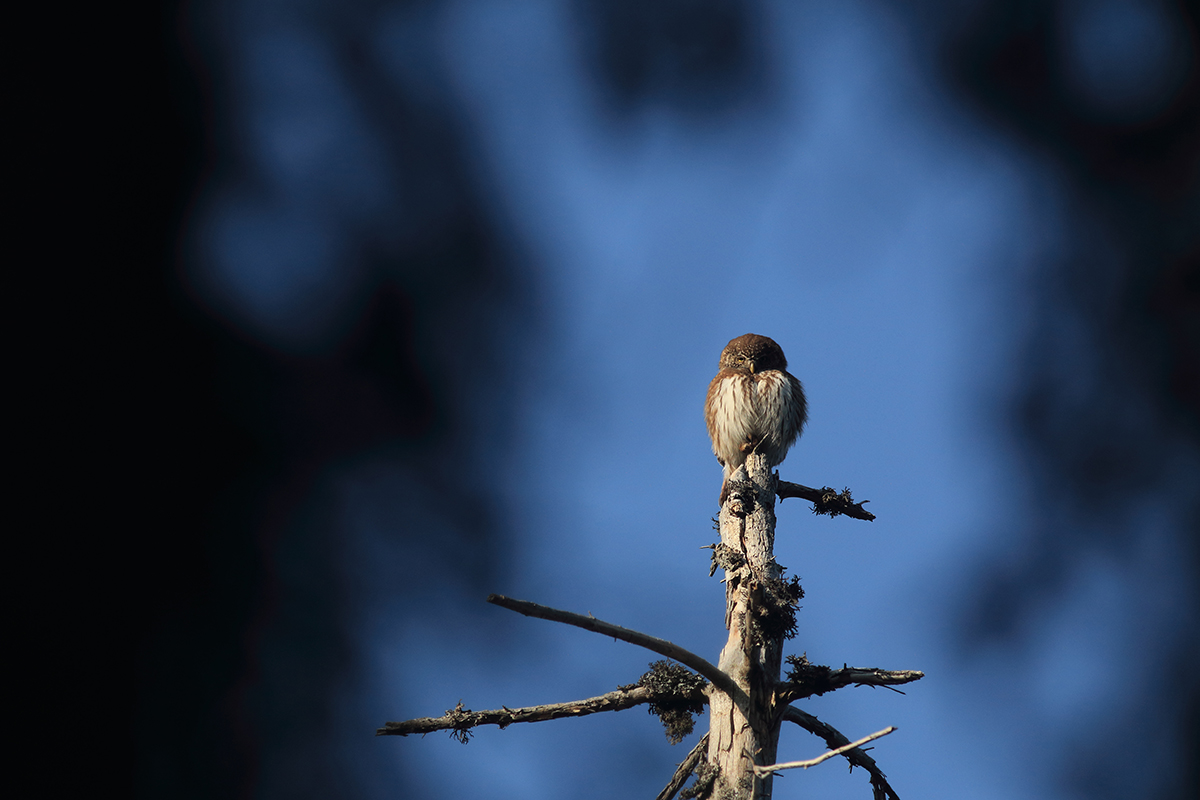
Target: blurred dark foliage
1108,408
699,57
247,639
201,613
193,559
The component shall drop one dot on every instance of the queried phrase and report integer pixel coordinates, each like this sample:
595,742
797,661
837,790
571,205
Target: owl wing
729,414
797,409
782,412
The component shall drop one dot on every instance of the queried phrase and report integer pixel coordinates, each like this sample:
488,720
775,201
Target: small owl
753,404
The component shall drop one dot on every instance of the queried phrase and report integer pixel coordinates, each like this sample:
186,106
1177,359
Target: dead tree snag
747,699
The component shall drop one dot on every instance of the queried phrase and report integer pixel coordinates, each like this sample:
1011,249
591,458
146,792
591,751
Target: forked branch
835,740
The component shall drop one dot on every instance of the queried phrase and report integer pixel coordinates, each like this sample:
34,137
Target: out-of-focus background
421,302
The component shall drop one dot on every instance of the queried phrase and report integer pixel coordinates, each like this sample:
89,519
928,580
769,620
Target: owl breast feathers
753,404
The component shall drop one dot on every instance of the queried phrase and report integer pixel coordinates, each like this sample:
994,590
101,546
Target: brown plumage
754,404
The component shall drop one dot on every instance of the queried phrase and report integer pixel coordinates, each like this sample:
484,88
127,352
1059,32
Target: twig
826,500
463,719
834,739
661,646
762,771
684,771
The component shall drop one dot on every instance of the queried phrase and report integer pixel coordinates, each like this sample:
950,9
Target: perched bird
753,404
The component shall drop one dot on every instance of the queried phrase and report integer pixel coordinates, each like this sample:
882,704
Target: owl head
752,353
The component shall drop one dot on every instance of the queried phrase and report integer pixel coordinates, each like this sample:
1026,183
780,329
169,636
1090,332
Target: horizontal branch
684,770
835,740
771,769
826,500
805,679
661,646
463,719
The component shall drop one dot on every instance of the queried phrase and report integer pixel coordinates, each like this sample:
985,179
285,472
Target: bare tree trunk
747,701
745,731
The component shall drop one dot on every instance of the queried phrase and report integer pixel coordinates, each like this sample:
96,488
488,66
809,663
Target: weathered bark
747,700
745,731
463,720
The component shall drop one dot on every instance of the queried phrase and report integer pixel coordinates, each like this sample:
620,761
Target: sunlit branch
812,762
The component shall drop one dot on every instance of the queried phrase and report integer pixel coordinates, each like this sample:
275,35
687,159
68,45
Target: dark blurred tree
703,58
233,610
1108,407
211,606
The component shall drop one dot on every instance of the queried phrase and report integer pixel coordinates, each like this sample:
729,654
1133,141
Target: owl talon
749,446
